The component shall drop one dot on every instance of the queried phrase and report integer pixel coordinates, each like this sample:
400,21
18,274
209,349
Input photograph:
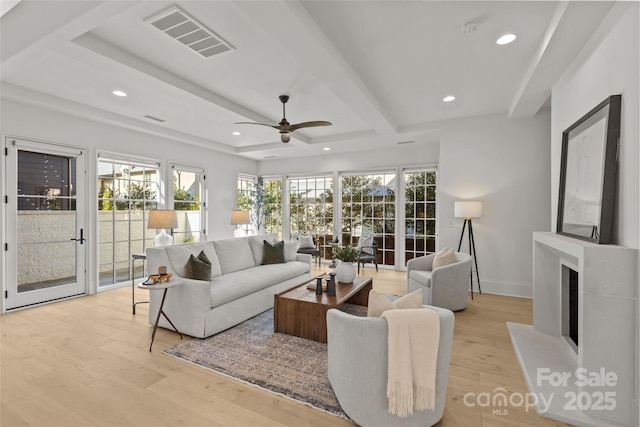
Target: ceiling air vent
177,24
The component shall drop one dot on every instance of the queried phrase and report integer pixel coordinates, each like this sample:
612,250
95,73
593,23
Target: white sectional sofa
240,287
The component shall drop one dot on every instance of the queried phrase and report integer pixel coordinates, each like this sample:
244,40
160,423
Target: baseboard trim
511,289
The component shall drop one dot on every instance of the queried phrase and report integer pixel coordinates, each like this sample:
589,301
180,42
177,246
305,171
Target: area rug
284,364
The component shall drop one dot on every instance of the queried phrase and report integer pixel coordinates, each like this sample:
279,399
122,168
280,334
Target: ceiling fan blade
308,125
252,123
284,127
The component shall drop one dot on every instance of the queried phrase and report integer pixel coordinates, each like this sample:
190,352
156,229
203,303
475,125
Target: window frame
245,178
202,184
326,233
428,248
277,215
114,242
387,249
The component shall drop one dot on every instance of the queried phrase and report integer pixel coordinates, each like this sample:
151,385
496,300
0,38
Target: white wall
29,122
505,164
608,65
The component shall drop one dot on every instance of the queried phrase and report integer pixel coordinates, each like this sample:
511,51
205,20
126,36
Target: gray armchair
446,286
357,355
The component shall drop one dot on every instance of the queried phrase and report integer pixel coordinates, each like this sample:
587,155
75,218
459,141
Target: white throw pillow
290,251
379,303
306,242
444,257
365,242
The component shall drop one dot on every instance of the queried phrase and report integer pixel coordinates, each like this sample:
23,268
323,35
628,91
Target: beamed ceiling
378,70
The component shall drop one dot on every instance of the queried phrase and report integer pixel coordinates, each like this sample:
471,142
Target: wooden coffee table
299,311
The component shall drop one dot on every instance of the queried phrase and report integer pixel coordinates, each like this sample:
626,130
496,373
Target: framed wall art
588,173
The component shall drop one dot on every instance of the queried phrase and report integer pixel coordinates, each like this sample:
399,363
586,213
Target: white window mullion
400,217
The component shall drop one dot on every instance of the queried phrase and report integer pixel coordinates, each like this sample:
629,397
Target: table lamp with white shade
468,210
162,219
240,217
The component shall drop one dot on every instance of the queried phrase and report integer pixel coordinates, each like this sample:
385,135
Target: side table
164,286
135,257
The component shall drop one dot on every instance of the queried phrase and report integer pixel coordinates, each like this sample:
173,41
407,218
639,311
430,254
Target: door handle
81,239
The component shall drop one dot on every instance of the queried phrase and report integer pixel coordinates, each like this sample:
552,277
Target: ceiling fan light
285,136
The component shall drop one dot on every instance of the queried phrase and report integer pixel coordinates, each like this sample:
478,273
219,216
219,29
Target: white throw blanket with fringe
414,338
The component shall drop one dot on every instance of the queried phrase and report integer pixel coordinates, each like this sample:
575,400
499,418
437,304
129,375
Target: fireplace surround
590,382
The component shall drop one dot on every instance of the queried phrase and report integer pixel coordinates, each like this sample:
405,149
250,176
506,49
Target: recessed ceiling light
506,39
327,149
119,93
448,98
236,133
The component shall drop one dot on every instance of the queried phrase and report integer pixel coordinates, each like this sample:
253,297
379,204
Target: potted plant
347,255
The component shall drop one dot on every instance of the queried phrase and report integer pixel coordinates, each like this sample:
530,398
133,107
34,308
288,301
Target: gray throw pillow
198,268
273,253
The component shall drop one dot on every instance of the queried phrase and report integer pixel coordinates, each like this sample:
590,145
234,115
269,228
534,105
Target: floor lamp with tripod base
468,210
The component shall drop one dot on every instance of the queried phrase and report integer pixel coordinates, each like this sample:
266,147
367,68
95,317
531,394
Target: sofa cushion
256,244
179,255
230,287
234,254
421,276
198,268
273,253
379,303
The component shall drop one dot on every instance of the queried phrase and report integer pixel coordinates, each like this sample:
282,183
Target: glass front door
46,231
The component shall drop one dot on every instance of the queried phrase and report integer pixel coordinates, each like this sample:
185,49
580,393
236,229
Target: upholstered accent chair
357,355
445,286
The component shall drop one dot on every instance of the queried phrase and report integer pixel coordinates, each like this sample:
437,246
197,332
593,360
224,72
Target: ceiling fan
284,127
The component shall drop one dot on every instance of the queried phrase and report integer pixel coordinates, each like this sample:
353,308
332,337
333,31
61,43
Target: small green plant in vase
347,255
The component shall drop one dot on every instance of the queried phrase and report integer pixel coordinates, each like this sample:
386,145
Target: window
311,209
245,188
46,182
127,191
368,205
188,201
420,213
273,206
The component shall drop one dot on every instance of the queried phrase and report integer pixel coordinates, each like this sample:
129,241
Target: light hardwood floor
86,362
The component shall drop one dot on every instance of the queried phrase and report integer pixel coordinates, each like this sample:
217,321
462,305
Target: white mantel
607,283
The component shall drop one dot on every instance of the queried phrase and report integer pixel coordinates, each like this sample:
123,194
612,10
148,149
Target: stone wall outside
39,262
